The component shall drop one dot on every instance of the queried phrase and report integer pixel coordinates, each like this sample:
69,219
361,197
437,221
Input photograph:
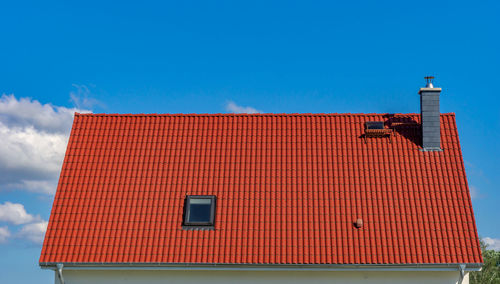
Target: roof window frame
374,125
186,224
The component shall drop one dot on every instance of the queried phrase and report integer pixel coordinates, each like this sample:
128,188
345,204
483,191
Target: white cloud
4,234
34,138
34,232
493,244
33,228
15,213
234,108
81,97
42,186
27,112
474,192
29,157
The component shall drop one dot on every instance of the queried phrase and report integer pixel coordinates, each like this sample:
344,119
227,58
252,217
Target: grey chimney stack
430,116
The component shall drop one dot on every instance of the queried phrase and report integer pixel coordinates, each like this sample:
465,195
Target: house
263,198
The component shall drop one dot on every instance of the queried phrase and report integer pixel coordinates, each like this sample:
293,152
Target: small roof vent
359,223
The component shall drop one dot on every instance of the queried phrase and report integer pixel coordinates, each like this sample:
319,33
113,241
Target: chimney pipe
430,116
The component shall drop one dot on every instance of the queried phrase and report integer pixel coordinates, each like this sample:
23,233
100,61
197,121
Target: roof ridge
250,114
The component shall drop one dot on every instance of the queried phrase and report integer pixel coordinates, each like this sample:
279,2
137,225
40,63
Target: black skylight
374,125
199,210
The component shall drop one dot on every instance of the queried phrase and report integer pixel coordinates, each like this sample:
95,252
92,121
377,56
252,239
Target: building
270,198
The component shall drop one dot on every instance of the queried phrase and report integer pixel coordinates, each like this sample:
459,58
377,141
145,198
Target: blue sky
217,56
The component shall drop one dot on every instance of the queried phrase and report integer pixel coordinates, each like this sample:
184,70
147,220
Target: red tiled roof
288,187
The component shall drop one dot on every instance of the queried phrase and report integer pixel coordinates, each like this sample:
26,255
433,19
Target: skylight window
374,125
199,210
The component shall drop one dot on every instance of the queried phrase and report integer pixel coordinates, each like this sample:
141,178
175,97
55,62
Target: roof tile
289,188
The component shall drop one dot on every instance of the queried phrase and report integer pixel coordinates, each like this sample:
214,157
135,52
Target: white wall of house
257,277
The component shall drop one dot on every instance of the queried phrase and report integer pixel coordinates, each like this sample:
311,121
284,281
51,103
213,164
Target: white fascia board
266,267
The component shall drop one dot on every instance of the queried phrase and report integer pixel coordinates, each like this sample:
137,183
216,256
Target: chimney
429,112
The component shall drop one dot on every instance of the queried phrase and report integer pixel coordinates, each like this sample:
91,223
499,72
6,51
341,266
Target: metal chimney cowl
430,116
